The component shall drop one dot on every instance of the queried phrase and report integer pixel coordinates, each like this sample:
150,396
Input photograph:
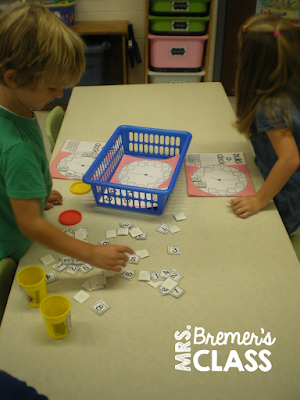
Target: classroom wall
134,11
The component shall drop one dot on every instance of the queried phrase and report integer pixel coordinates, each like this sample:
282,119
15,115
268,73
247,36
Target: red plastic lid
70,217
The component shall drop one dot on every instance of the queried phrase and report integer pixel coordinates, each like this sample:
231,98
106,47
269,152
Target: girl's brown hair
269,67
38,46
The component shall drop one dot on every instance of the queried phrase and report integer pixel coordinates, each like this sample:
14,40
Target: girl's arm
32,225
288,162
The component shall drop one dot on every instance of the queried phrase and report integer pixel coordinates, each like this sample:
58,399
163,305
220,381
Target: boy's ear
12,78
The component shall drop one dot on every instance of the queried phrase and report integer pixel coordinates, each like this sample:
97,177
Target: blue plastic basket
135,141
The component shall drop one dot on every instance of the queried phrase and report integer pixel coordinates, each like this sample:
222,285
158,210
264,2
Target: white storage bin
175,77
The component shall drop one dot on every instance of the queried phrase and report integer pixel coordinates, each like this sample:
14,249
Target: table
239,276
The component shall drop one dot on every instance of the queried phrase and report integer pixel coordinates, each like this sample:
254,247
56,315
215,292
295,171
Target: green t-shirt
24,174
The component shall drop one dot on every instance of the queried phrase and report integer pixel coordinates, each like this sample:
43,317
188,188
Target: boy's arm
32,225
288,162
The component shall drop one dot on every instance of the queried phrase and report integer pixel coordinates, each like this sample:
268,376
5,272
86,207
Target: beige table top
239,276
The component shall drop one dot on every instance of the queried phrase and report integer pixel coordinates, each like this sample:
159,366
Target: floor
42,116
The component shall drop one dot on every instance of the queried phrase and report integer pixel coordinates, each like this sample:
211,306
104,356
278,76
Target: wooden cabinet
116,33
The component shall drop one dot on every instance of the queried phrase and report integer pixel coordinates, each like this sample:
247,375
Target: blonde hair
38,46
269,67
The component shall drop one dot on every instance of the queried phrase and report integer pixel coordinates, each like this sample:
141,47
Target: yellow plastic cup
56,310
33,285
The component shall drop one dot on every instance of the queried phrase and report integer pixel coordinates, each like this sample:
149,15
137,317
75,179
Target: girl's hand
246,206
55,197
288,162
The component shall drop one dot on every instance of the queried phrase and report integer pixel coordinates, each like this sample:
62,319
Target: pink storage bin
176,52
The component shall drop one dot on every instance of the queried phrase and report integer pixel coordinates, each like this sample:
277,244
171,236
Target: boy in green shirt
39,56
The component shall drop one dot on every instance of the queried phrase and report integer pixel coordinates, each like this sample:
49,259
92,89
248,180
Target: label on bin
179,25
180,6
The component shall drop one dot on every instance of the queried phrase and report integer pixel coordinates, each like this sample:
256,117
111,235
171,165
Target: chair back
295,239
7,272
53,124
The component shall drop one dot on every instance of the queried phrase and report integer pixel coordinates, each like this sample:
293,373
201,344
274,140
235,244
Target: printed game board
74,159
143,172
218,174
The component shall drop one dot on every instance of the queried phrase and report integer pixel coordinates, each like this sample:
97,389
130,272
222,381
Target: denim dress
288,199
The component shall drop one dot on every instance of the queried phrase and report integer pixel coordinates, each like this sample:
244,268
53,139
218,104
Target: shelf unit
206,49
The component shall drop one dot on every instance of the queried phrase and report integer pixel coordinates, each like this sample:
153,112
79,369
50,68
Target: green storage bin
166,25
169,7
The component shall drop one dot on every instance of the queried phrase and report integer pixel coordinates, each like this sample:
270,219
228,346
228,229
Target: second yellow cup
33,285
56,310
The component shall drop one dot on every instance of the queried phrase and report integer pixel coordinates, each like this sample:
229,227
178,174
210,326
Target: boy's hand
55,197
246,206
109,256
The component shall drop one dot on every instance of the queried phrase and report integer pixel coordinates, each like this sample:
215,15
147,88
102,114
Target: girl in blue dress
268,113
